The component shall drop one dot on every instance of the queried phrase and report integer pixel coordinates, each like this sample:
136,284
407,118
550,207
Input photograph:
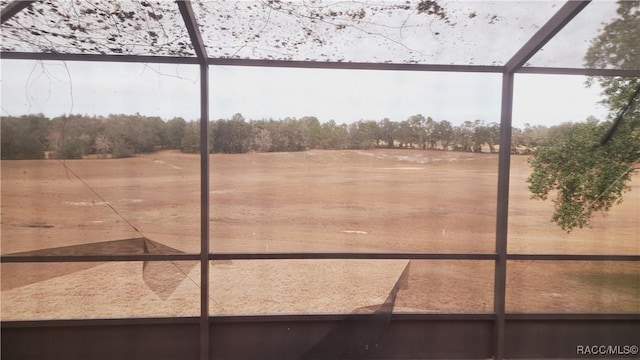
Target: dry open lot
313,201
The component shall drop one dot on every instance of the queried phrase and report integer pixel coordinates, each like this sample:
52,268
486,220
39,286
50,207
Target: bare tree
102,146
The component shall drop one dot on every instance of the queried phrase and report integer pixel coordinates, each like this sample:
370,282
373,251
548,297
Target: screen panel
107,177
375,288
378,161
80,290
573,286
443,32
592,189
98,27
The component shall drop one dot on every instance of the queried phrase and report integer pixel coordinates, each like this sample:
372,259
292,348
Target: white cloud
553,99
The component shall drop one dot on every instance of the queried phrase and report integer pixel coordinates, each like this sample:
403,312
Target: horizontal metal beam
333,317
571,316
315,317
350,256
577,71
313,64
235,319
572,257
250,62
561,18
101,322
314,256
96,258
99,58
354,65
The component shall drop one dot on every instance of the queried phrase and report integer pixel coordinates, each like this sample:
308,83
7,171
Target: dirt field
314,201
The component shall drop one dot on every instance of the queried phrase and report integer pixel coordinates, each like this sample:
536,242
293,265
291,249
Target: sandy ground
333,201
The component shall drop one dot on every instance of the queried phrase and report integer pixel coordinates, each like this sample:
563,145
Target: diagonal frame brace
186,10
558,21
13,8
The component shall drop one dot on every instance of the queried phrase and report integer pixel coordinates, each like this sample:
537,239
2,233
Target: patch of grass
622,283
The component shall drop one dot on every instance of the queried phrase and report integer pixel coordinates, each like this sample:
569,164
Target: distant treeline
118,136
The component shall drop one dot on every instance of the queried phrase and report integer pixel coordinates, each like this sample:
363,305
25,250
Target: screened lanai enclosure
321,252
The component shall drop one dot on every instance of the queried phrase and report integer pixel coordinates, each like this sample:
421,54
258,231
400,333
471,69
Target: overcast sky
56,88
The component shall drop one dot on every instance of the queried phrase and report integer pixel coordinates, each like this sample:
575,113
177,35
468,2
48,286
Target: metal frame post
201,52
204,212
502,214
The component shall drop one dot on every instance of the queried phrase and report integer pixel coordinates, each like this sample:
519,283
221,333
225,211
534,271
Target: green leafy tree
465,135
517,140
191,139
363,134
72,149
406,134
417,126
584,174
486,134
232,136
262,140
334,136
311,129
444,133
174,132
71,136
23,137
388,132
293,133
288,135
430,132
524,141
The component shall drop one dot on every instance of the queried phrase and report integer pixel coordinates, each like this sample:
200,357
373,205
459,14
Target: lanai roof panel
410,32
146,28
398,31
